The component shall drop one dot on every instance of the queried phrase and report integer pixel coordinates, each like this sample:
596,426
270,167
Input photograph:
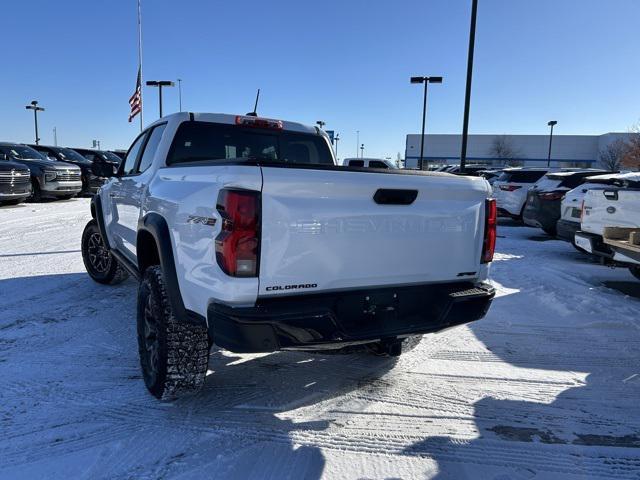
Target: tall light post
34,106
552,123
467,93
336,139
160,84
321,124
180,93
426,81
362,151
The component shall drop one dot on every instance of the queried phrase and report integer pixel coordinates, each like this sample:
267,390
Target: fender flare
97,214
157,226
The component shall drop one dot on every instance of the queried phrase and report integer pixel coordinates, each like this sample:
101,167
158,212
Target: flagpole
140,61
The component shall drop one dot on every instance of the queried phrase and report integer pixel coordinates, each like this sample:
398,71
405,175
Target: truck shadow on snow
572,405
243,424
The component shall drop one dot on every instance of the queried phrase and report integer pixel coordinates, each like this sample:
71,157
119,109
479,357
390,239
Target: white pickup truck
244,233
606,212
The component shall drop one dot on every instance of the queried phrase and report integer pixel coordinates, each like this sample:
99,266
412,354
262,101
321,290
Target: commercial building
516,150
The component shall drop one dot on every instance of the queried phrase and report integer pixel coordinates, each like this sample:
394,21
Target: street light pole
160,84
321,124
34,106
335,139
551,124
467,95
426,81
362,151
180,93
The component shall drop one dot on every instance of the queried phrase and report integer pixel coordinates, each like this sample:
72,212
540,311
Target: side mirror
103,169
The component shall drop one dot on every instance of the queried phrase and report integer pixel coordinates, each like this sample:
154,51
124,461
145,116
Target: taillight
551,195
490,233
257,122
238,244
509,188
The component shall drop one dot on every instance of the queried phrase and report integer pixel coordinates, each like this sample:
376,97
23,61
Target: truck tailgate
322,229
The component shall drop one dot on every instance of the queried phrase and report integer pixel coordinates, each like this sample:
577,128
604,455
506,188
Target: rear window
548,183
526,176
377,164
575,180
205,141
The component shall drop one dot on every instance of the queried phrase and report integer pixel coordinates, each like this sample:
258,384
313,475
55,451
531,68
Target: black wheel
36,194
394,348
635,271
550,231
174,354
67,197
98,261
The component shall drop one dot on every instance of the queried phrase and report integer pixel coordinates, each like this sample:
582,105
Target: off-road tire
408,344
100,264
174,354
635,271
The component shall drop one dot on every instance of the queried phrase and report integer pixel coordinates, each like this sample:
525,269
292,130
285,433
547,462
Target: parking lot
546,386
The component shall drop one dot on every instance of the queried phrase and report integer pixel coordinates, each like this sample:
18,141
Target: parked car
490,175
605,214
119,153
510,189
542,208
49,179
368,163
469,170
15,181
100,156
90,182
571,205
244,233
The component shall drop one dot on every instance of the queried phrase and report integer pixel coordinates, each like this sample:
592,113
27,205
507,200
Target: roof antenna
255,107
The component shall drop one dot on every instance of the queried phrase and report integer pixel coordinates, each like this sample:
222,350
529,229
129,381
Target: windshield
199,141
71,155
21,152
111,157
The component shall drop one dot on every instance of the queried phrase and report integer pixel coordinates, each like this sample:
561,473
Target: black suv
15,181
90,182
100,156
542,207
48,178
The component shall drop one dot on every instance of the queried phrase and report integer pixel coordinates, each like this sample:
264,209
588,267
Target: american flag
135,102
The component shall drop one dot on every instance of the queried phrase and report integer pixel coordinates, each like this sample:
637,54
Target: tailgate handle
611,194
393,196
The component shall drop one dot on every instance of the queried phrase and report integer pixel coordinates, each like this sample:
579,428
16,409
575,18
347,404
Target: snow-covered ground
547,386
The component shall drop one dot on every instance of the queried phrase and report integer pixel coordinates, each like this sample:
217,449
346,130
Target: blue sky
345,62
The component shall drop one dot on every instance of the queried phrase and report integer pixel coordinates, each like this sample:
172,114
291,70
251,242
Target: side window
151,147
356,163
377,164
132,155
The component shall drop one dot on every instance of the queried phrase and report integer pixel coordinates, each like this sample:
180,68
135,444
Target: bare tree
631,157
502,149
612,155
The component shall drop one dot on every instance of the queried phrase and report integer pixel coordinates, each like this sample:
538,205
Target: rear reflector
247,121
509,188
490,233
238,244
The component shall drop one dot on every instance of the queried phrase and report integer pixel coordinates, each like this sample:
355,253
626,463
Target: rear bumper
543,214
333,320
566,230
